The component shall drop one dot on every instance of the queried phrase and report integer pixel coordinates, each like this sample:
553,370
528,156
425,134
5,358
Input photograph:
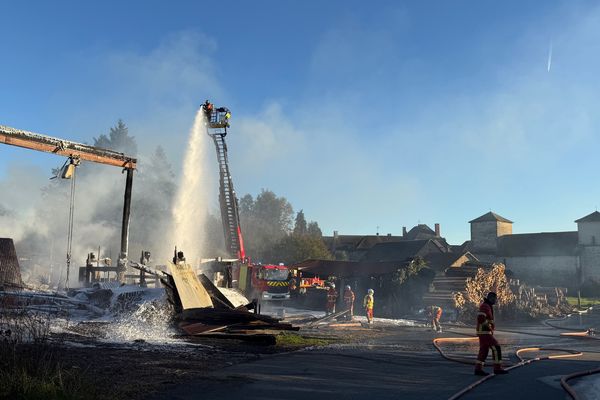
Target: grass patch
295,340
586,302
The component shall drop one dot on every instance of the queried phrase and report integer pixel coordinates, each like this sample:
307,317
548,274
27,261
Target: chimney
334,242
404,231
437,230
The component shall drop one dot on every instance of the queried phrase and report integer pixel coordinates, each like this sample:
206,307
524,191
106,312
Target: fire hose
568,388
522,362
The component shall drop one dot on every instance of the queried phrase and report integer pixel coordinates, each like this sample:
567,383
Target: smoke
155,92
191,201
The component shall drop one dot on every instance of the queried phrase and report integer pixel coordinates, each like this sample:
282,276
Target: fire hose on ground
565,354
568,388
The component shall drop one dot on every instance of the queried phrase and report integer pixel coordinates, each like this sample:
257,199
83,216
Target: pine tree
118,139
300,227
314,230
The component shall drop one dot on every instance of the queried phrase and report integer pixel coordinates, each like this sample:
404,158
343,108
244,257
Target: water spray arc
189,207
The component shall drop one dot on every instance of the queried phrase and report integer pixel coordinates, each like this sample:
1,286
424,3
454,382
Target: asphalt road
402,364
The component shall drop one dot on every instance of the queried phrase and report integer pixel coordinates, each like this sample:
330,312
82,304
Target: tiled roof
405,250
345,269
420,232
490,216
538,244
593,217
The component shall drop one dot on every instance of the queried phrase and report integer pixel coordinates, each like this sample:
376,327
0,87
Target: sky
369,116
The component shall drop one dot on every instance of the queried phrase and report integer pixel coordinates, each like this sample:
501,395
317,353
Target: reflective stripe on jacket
331,296
485,319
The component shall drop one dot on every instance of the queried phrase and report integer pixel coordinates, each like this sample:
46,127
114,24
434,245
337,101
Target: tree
118,139
246,204
276,211
294,248
314,230
264,222
300,225
402,290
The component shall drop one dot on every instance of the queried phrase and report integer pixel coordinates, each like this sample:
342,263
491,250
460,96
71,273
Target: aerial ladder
81,152
264,282
216,127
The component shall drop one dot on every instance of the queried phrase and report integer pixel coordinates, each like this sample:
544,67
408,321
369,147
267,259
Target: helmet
332,285
370,291
348,287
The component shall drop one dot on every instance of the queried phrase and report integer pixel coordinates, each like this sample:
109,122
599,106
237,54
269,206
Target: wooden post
125,225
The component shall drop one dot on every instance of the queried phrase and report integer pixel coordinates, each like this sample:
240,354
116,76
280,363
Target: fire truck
257,281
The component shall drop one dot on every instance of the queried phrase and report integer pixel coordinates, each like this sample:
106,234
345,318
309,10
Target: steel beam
36,141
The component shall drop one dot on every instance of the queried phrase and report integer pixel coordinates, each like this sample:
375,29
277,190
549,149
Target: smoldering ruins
208,288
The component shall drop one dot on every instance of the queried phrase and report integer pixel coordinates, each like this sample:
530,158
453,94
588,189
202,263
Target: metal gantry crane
78,151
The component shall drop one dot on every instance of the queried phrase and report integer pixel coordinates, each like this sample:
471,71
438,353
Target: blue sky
364,114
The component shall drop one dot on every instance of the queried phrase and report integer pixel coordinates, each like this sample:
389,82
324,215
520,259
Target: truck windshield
275,274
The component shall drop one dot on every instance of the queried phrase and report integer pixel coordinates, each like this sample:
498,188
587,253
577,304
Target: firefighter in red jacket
487,341
435,313
331,299
349,302
208,109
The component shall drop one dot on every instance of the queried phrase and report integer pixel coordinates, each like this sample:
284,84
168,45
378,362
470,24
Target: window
275,274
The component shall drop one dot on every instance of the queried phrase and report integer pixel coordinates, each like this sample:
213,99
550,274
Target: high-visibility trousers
369,314
487,342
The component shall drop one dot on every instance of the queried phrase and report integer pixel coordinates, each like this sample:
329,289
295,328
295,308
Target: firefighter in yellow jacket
368,303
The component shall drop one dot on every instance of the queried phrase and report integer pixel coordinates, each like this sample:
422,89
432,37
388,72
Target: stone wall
545,270
483,236
589,233
590,261
504,228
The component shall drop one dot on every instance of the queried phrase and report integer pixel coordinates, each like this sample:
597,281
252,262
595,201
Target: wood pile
221,319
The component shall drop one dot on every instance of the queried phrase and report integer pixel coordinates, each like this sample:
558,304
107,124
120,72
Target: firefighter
435,313
349,302
487,341
208,108
331,298
225,115
368,303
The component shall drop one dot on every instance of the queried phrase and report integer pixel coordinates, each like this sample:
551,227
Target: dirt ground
137,369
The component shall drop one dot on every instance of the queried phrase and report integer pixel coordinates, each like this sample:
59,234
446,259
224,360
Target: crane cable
75,163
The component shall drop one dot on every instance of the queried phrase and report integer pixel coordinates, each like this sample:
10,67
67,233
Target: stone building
485,232
546,258
588,245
